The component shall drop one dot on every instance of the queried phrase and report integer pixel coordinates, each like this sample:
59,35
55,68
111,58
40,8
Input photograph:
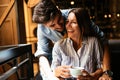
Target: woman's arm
106,58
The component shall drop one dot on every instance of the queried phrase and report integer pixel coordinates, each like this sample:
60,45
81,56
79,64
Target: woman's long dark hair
84,21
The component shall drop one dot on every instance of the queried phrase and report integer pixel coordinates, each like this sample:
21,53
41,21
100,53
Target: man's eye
60,23
52,25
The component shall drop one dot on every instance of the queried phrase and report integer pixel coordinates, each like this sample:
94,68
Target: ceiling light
72,2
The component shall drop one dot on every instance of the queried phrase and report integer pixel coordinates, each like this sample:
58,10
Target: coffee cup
76,71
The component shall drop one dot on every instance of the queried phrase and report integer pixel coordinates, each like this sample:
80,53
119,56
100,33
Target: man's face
56,24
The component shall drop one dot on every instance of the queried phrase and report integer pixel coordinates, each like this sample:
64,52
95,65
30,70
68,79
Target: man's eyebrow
52,24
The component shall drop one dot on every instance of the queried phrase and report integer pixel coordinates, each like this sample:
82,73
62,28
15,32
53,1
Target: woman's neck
77,42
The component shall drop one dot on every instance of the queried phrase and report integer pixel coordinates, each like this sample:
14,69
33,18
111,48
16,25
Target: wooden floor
36,68
36,72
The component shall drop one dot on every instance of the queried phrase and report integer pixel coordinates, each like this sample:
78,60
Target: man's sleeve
99,32
65,12
43,47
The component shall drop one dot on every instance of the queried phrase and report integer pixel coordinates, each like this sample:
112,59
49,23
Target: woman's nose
68,24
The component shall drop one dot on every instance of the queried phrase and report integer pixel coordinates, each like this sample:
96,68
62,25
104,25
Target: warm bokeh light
72,2
105,16
118,15
109,15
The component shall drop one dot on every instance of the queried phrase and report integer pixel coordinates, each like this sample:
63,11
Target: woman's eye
74,22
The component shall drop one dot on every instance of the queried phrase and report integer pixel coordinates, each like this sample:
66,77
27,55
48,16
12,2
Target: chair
114,47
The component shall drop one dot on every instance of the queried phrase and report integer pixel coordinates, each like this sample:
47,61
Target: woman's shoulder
92,39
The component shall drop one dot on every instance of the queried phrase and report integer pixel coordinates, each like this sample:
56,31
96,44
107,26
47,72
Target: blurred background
17,27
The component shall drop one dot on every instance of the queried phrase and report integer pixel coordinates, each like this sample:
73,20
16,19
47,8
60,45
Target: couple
79,48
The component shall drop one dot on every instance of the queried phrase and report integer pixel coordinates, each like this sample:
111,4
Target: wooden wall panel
30,27
8,30
6,33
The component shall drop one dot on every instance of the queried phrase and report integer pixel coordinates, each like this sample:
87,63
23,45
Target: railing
9,53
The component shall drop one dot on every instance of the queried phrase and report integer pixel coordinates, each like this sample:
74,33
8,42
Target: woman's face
72,26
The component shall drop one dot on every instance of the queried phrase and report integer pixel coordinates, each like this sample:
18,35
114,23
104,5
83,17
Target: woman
80,49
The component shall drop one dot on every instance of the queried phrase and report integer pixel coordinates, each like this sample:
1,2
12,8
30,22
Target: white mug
76,71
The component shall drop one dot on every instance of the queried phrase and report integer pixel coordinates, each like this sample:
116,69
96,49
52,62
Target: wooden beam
32,3
6,12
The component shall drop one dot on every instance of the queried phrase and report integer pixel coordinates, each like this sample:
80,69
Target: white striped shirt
89,55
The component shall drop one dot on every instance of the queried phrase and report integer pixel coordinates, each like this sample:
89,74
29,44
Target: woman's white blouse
89,56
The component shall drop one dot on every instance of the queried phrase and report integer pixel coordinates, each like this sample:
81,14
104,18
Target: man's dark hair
45,11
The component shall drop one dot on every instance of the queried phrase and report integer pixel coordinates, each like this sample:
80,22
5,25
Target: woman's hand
105,77
92,76
86,76
62,71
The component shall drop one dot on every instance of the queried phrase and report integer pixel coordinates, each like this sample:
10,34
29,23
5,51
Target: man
51,28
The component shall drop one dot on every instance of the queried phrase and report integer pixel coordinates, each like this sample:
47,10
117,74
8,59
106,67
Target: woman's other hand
105,77
85,76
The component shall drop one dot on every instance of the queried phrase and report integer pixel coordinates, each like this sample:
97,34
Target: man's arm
45,68
43,43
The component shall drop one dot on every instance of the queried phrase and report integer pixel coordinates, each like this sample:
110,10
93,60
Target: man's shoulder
43,28
63,41
65,12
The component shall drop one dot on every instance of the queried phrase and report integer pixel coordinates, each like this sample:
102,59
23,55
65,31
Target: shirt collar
84,41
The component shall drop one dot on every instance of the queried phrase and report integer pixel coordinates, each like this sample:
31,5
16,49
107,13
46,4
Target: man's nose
59,26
